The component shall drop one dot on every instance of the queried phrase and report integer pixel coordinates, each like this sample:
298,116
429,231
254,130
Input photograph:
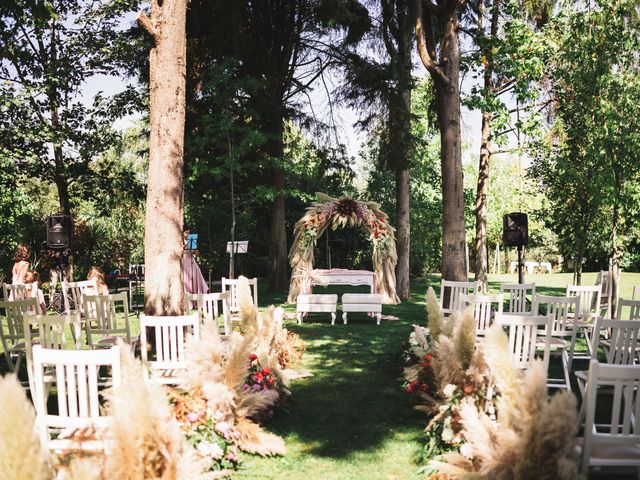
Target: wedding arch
337,213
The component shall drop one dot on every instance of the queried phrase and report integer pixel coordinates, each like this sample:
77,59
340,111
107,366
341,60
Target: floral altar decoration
336,213
487,418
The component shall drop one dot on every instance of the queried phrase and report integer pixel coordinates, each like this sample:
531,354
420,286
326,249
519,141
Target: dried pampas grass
534,436
464,334
255,440
85,468
435,317
146,439
21,457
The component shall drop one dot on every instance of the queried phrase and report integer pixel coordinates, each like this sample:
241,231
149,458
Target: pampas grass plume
21,457
435,316
465,338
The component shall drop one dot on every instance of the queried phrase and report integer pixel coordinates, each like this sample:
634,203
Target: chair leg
333,318
7,355
344,317
299,317
566,362
378,318
571,350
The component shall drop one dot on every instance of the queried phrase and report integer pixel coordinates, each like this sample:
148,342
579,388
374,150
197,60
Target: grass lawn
352,419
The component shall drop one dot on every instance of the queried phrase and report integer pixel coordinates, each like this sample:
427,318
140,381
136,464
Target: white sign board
241,247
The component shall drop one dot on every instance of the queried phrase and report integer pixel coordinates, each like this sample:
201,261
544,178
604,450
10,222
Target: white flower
210,450
447,435
443,408
466,451
449,390
447,422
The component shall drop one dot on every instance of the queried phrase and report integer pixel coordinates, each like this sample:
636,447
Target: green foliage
588,164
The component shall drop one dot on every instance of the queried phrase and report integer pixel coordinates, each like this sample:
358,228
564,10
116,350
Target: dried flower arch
339,213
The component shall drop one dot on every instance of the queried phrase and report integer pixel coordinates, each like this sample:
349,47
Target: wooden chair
628,310
19,291
635,295
76,380
169,345
12,333
616,443
526,332
207,307
606,288
518,296
452,291
231,285
72,293
584,318
48,331
563,332
620,349
484,307
105,327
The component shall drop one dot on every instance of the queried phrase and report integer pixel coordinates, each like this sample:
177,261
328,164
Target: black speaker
515,229
59,231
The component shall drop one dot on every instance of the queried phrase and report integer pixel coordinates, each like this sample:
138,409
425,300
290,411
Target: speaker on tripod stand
59,229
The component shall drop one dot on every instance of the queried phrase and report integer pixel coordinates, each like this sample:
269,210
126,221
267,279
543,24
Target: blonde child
31,277
96,273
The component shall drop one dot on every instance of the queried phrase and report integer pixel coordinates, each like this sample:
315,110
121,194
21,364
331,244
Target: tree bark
403,229
445,71
480,245
164,290
278,277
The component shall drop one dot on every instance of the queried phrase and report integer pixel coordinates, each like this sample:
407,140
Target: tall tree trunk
278,272
577,268
163,244
402,125
403,228
448,103
480,244
444,67
61,181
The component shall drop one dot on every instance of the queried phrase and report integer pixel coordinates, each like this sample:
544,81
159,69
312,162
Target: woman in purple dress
194,282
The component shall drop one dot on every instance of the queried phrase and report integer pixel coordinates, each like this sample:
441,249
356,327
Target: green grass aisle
351,420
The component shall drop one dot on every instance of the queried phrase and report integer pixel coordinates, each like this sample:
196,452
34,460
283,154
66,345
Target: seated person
32,277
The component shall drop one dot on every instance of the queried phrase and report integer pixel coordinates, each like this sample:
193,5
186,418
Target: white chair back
590,297
628,310
169,335
12,332
72,293
22,291
207,306
560,309
525,332
518,296
616,443
635,295
105,326
75,373
48,331
231,285
455,290
621,348
484,309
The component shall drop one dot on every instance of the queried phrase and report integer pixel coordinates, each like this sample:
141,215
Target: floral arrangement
214,439
485,420
290,348
339,213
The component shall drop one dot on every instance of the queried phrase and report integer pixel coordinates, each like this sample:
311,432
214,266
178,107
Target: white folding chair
207,307
484,308
20,291
584,318
11,331
169,335
635,295
526,332
620,349
628,310
107,324
72,293
75,373
453,291
231,285
616,443
48,331
563,332
519,296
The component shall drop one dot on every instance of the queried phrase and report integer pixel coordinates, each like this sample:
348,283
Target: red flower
266,371
253,357
423,364
428,356
412,386
258,377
